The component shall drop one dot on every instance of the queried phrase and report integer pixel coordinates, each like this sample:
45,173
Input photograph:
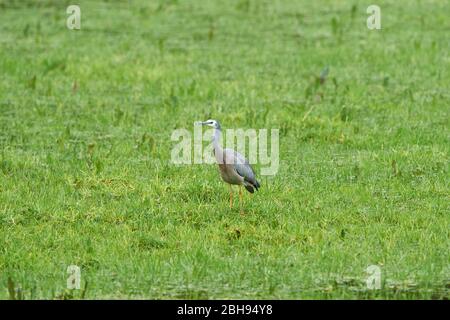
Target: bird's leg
241,199
231,196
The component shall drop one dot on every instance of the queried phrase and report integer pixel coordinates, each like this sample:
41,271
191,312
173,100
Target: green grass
85,173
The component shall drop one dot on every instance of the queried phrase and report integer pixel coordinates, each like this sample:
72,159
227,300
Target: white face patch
212,123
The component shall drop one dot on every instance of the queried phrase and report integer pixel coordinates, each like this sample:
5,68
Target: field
86,118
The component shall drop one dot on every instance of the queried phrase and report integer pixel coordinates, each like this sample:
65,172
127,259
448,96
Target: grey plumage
234,168
245,170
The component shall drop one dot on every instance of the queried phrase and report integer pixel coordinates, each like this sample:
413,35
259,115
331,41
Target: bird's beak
200,123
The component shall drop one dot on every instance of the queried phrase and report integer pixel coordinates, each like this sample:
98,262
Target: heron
234,168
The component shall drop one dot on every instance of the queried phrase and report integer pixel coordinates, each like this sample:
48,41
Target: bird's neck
218,152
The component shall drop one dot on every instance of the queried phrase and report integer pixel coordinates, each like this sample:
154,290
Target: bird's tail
252,186
249,188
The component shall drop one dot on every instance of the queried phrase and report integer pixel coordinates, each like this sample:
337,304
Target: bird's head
210,123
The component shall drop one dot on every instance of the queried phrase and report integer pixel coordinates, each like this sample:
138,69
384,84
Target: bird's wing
243,167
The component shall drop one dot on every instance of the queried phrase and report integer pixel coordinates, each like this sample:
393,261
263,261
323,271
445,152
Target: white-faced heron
233,166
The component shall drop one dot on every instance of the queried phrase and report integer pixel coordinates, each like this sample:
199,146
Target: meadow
86,179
